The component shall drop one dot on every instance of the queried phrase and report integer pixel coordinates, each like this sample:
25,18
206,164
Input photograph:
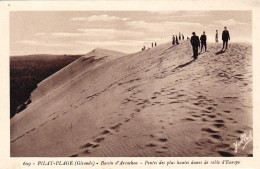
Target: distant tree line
27,71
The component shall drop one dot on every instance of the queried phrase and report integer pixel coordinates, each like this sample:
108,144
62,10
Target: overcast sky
79,32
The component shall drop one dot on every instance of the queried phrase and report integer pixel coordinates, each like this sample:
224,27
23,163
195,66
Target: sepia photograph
131,84
135,83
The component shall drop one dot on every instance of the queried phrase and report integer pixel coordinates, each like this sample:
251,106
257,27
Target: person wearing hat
195,42
225,37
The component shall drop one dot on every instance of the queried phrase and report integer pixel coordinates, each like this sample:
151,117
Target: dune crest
157,102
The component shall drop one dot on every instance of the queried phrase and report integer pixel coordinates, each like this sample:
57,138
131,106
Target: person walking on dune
225,38
155,44
179,36
173,40
203,40
177,41
216,37
195,42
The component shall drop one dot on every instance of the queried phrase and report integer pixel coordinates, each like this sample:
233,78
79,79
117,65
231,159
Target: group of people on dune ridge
197,42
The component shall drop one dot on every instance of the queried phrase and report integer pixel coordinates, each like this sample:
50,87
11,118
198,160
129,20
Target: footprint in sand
127,120
116,127
86,152
216,136
209,130
219,125
173,102
157,102
74,155
162,139
239,131
210,108
105,132
204,119
205,111
223,145
164,147
87,145
194,115
219,121
189,119
211,116
156,93
151,145
154,97
225,154
227,111
100,139
55,117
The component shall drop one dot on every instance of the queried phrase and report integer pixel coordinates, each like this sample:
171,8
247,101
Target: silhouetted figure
182,37
143,48
225,38
177,42
152,44
203,40
179,36
195,42
155,44
216,37
173,40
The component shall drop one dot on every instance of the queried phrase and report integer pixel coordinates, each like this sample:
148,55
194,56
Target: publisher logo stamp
243,141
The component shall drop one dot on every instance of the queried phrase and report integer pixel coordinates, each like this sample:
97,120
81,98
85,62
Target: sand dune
76,69
156,102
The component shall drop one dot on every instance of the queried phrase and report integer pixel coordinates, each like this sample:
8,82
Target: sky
78,32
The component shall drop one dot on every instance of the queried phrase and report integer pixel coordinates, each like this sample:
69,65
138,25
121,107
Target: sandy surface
155,102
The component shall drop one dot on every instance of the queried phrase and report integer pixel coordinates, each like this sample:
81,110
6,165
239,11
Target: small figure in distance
152,44
177,42
203,40
182,37
179,36
225,38
195,42
216,37
173,40
143,48
155,44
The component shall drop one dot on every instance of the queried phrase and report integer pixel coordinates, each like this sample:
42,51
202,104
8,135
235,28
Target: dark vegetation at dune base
27,71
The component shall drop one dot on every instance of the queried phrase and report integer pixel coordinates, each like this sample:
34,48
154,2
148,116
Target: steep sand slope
70,73
156,102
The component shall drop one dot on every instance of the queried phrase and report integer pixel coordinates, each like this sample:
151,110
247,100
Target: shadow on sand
220,52
185,64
